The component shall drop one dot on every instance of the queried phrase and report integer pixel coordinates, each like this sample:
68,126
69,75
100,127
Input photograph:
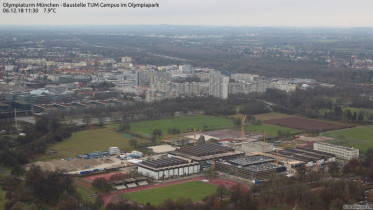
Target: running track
227,183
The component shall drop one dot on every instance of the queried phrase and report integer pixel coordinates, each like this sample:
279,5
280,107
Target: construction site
205,152
308,157
168,167
256,167
246,155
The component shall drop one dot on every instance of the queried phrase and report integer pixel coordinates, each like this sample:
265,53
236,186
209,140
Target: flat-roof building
206,152
255,167
168,167
341,152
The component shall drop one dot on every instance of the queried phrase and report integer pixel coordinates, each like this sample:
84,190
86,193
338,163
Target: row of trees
361,167
310,101
46,130
43,189
347,115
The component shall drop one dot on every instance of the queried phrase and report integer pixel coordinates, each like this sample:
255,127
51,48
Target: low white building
167,167
341,152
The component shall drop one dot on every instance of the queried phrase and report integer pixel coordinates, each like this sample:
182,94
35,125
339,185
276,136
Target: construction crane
195,138
243,133
243,128
15,118
276,156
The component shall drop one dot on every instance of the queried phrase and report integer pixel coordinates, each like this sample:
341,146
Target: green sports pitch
87,141
184,124
359,137
194,190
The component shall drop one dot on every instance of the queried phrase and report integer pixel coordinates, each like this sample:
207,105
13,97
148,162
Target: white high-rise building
218,85
126,59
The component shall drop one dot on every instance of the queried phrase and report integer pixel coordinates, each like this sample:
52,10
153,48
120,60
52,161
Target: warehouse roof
205,149
250,160
160,163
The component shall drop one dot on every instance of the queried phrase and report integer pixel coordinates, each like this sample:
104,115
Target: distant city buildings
47,76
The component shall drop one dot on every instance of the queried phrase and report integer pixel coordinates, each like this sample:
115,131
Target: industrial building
168,167
309,157
252,147
256,167
341,152
205,152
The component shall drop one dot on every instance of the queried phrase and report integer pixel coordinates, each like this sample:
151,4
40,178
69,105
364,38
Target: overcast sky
309,13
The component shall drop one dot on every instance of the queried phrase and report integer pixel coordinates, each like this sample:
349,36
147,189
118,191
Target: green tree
102,185
333,168
157,133
354,116
236,193
125,127
360,117
348,114
221,191
133,142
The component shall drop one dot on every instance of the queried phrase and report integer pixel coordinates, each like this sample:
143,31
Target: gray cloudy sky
339,13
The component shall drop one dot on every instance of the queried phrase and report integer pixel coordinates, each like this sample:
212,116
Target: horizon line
233,26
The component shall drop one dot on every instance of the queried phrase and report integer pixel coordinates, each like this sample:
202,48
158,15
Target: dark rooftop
250,160
205,149
160,163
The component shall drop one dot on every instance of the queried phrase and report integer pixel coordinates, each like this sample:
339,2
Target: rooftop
250,160
160,163
262,167
204,150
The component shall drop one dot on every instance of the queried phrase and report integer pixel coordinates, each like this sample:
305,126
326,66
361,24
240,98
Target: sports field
182,123
271,130
195,190
88,141
359,137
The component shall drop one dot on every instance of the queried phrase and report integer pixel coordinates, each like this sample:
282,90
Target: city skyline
318,13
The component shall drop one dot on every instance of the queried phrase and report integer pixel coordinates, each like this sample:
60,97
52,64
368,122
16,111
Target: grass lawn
182,123
271,130
85,193
85,189
359,137
2,198
88,141
194,190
